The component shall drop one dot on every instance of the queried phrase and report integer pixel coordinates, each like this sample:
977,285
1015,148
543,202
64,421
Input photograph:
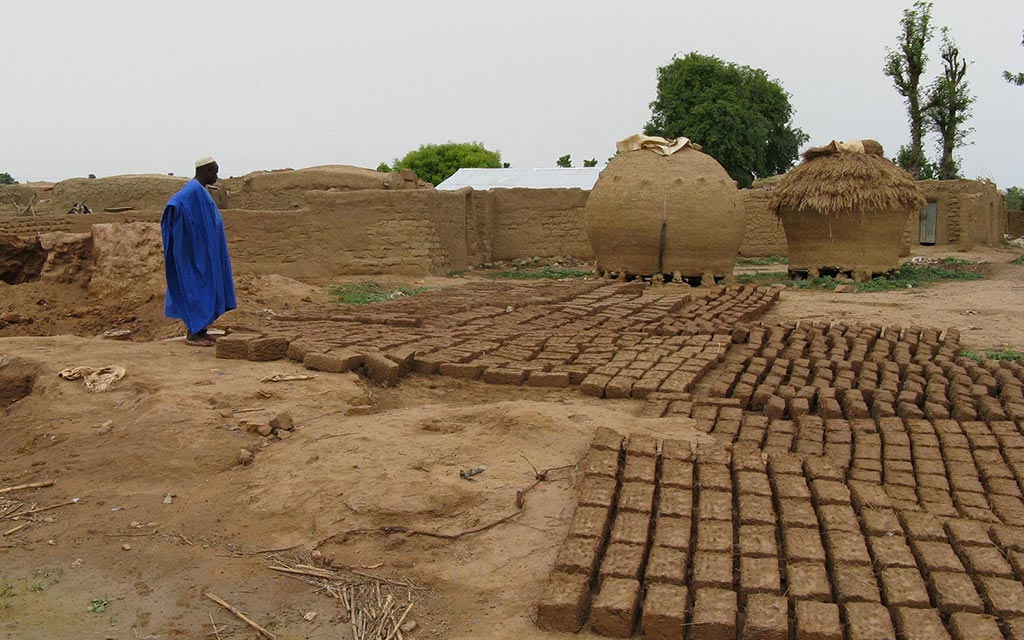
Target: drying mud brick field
506,459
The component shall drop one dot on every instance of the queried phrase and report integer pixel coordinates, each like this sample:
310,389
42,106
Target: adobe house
961,212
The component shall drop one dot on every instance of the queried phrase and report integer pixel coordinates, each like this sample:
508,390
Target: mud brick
808,581
954,592
967,533
615,608
618,387
817,621
712,570
666,565
1008,538
846,547
714,505
234,346
590,522
636,496
714,614
714,535
758,541
791,487
550,379
785,464
868,621
920,624
676,473
823,469
1003,597
803,545
986,561
597,491
469,371
267,348
766,617
579,555
937,556
830,492
499,375
1014,628
428,363
904,588
380,369
631,528
639,469
334,362
753,483
891,551
601,462
664,612
297,349
932,481
642,444
563,606
836,517
676,450
756,510
971,499
880,522
855,583
676,502
714,476
622,561
798,513
594,385
759,575
972,626
924,527
674,533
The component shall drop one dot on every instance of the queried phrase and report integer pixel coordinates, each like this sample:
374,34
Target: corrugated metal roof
549,178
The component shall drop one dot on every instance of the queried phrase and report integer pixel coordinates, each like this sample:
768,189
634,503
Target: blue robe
196,262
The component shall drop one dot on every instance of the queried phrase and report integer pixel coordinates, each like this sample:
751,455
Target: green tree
590,163
436,162
6,178
738,114
905,157
906,66
384,167
1015,198
564,161
1015,78
948,107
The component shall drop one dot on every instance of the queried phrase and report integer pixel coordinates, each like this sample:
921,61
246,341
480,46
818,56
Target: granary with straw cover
663,208
844,209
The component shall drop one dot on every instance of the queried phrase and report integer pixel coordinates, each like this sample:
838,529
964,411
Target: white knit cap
205,160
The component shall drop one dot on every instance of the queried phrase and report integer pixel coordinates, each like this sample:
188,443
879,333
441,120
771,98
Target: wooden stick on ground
241,616
31,485
215,631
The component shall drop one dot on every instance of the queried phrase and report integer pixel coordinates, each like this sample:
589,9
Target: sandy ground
345,475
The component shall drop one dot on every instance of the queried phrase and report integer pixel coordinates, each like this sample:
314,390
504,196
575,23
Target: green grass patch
369,291
908,276
1008,355
763,261
1019,261
544,273
99,605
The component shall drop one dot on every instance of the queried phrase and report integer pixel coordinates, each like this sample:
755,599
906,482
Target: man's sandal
199,341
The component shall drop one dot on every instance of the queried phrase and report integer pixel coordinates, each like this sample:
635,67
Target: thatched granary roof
846,177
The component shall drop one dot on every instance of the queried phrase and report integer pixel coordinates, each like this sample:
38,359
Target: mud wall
287,188
137,192
968,213
539,222
763,234
1015,223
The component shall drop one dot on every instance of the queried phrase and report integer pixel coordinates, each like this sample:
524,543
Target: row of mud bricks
677,541
383,369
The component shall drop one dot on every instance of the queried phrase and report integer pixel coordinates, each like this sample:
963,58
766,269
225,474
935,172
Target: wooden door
929,217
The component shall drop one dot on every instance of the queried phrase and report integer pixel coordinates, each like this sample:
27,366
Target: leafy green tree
1015,78
906,66
590,163
564,161
6,178
1015,198
384,167
948,107
926,171
436,162
738,114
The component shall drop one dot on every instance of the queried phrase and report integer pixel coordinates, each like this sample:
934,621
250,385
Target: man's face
211,173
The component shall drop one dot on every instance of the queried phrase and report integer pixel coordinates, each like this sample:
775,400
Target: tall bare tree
948,106
905,66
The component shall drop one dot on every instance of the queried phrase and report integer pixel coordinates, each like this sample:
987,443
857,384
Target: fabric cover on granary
845,207
664,207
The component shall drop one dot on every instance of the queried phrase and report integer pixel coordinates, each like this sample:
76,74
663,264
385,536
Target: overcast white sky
139,86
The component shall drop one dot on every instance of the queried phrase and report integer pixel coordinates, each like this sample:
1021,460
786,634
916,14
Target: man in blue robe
196,261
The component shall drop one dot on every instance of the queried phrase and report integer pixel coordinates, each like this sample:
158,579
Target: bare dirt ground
369,478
